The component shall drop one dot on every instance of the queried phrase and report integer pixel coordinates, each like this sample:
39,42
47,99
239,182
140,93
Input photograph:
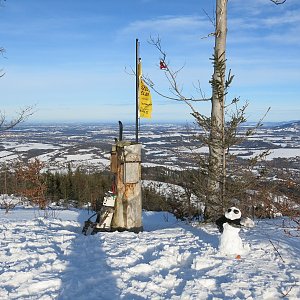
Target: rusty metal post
126,165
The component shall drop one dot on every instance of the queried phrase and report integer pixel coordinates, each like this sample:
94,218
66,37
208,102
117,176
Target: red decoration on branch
162,65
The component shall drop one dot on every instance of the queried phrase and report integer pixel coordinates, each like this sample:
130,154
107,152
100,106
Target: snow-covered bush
9,202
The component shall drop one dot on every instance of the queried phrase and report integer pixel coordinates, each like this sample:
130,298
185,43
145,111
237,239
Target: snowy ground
48,258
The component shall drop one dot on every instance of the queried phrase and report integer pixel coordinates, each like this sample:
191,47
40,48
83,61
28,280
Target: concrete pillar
126,165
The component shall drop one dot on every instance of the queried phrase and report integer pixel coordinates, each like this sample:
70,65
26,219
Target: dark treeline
78,187
75,188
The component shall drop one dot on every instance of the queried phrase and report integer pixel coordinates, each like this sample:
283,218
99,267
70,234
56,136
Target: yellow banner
145,101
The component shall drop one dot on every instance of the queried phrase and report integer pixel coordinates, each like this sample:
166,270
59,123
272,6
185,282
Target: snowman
230,225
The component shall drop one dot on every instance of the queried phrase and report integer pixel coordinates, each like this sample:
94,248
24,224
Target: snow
242,152
5,153
28,146
86,159
166,165
49,258
165,189
6,156
274,153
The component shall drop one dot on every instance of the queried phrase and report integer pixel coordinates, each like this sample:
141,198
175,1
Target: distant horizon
129,122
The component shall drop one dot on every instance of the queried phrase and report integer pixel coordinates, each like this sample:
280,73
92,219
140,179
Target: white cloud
166,23
289,17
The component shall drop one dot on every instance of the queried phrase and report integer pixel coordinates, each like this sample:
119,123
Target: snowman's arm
220,222
247,222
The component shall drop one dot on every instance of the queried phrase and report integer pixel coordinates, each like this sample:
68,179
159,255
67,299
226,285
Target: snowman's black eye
229,210
235,211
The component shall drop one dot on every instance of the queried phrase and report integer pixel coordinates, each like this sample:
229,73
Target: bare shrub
31,183
7,203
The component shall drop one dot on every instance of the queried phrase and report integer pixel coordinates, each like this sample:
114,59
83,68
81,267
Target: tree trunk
216,174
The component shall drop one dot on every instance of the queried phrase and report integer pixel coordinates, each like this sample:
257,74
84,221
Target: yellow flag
145,99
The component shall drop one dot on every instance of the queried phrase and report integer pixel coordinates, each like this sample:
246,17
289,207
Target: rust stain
129,189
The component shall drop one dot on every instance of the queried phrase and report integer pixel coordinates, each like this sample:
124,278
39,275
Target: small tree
31,183
6,188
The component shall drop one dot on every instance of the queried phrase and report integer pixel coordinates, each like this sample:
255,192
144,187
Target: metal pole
120,131
136,91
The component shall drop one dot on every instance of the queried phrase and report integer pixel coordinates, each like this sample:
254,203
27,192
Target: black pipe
120,131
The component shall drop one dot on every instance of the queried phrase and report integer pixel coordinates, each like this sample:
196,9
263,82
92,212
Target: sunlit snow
49,258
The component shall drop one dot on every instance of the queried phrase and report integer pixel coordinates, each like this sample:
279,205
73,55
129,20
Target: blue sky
71,58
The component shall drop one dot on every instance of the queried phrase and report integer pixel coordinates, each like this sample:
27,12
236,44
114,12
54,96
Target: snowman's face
233,213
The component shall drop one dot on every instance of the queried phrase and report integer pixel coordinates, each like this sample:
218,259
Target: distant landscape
168,145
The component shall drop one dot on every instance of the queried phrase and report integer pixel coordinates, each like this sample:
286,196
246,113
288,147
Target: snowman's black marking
232,217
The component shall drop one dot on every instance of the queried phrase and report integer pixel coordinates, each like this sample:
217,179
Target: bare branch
171,76
278,2
132,72
200,91
277,251
22,116
213,22
288,291
2,51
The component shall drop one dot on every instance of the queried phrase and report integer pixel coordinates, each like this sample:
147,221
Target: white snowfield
48,258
